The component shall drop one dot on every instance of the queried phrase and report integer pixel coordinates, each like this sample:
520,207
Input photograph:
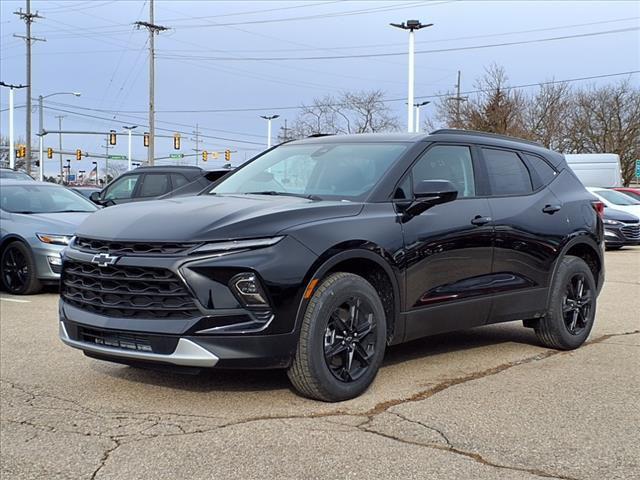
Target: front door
448,249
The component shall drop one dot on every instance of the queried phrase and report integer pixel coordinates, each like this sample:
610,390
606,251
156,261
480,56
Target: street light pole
411,25
41,132
268,118
418,105
60,117
129,129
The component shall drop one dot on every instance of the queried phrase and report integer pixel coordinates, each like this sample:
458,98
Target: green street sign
117,157
638,168
176,155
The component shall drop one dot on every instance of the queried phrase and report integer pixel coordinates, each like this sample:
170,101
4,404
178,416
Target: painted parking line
16,300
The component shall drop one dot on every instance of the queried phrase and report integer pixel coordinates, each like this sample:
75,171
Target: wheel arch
11,238
587,249
373,268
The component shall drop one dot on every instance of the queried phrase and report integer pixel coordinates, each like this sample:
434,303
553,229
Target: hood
210,218
619,215
55,223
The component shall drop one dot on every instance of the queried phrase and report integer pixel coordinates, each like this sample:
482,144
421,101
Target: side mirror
95,197
431,192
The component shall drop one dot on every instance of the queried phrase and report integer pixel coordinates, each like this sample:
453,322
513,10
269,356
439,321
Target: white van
596,169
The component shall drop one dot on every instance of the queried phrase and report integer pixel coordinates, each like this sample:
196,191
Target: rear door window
507,174
178,180
154,184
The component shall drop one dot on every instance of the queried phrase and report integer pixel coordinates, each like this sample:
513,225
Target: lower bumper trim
187,353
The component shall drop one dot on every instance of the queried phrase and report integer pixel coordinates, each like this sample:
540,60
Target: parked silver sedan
37,220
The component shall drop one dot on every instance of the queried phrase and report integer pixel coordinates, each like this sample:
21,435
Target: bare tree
607,120
4,153
351,112
547,115
115,169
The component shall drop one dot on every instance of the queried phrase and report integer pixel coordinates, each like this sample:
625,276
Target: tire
329,365
19,275
572,307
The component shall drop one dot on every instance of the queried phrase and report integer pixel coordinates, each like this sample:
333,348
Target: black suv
150,183
319,253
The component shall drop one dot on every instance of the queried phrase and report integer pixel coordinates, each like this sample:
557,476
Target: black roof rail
484,134
318,135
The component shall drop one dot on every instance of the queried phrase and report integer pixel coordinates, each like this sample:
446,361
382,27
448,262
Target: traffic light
176,141
78,154
146,139
214,155
22,151
227,155
205,155
49,152
112,137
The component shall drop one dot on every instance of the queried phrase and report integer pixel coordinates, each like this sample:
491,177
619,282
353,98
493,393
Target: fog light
57,261
247,288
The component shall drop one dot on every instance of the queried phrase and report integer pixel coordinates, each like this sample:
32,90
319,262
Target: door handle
480,220
551,209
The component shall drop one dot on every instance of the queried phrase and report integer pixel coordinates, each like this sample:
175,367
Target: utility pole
411,25
12,148
60,117
28,19
458,99
269,118
153,30
106,160
197,142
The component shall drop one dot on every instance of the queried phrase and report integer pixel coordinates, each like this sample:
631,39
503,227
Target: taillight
598,207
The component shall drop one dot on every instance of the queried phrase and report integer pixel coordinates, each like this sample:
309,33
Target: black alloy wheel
577,304
349,339
342,339
18,270
572,306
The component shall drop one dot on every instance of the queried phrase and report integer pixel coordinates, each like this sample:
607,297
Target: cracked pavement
487,403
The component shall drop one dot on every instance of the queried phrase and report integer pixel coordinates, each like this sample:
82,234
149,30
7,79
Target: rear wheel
19,275
572,308
342,340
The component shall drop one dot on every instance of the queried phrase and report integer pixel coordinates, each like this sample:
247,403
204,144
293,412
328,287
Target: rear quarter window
541,172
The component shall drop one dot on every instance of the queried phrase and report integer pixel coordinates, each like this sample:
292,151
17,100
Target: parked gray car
37,220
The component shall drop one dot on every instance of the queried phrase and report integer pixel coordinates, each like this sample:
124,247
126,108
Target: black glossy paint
468,262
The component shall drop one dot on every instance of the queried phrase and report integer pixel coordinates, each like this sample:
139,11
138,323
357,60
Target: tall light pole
129,129
60,117
268,118
95,167
418,105
41,129
411,25
12,147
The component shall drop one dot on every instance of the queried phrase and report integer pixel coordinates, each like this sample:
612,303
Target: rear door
448,248
529,227
153,185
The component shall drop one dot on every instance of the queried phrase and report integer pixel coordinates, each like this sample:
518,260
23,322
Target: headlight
606,221
54,239
237,245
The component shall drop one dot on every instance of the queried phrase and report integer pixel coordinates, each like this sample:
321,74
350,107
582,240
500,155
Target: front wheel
19,276
572,308
342,340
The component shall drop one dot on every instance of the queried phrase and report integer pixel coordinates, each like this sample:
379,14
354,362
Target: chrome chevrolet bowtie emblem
104,259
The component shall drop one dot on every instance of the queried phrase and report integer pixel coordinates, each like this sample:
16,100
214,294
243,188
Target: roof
361,138
169,168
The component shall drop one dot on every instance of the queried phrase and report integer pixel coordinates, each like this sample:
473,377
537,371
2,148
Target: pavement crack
424,425
105,457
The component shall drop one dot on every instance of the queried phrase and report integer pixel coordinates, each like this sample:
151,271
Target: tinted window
507,174
178,180
154,184
447,162
541,172
122,187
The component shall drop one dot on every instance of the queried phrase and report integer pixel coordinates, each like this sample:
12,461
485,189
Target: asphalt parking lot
483,403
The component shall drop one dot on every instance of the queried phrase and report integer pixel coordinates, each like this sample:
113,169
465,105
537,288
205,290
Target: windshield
13,175
325,171
42,199
617,198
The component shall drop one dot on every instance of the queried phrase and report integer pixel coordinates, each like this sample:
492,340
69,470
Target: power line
395,54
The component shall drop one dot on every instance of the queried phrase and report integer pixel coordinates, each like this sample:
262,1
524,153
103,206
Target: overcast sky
228,55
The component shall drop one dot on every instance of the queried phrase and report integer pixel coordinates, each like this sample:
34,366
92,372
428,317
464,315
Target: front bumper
43,255
217,332
617,236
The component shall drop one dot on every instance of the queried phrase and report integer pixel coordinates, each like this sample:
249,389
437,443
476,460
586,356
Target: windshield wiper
25,212
288,194
71,211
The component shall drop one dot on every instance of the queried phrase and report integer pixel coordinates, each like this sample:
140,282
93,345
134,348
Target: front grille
126,292
136,248
632,232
